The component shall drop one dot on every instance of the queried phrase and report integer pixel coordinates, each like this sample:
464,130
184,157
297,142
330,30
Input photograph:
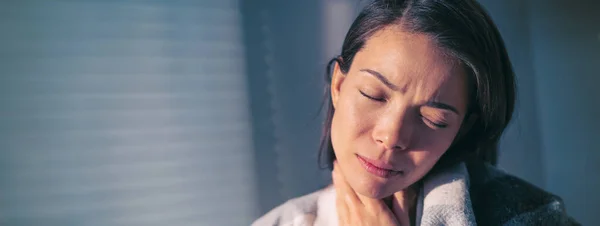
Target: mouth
378,169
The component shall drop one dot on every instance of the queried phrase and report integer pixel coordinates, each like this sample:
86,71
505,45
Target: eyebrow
382,78
442,106
387,83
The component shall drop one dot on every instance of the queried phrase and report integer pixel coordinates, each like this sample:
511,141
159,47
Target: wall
566,57
285,74
124,113
520,152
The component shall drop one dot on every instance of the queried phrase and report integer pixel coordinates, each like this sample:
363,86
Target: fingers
345,191
352,198
377,205
352,211
340,202
347,203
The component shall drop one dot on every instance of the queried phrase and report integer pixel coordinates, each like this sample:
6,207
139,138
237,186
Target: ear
336,83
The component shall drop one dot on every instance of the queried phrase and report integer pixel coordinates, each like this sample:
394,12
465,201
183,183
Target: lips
377,168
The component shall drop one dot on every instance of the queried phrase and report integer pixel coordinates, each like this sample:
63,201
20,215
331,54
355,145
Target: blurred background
206,112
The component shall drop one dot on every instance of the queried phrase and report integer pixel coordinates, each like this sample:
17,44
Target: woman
420,95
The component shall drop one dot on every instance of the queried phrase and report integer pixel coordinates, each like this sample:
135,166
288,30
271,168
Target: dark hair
466,32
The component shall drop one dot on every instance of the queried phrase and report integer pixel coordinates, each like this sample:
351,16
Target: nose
394,131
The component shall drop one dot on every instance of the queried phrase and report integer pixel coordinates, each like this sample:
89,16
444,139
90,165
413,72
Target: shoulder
501,198
304,210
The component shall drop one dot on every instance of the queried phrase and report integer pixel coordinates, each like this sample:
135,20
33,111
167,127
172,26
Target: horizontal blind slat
124,113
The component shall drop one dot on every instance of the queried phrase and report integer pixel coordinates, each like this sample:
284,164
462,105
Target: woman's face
397,111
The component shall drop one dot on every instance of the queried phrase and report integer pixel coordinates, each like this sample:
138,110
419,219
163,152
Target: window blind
124,113
291,72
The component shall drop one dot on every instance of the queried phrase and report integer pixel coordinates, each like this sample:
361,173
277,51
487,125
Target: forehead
414,63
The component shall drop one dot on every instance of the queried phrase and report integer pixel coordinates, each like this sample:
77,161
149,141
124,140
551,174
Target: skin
402,102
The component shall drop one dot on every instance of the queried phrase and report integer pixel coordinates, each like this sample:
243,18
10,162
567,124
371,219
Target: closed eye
372,97
433,123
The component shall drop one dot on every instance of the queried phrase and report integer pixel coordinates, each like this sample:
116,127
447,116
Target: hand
355,209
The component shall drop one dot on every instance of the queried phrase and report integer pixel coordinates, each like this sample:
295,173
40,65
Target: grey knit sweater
473,194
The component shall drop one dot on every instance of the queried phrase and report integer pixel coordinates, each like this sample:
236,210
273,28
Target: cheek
431,147
351,122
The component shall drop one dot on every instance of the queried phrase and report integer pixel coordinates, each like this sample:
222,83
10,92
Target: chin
374,193
372,188
378,188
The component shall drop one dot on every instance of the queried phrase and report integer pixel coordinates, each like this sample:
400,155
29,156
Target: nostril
391,141
400,147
